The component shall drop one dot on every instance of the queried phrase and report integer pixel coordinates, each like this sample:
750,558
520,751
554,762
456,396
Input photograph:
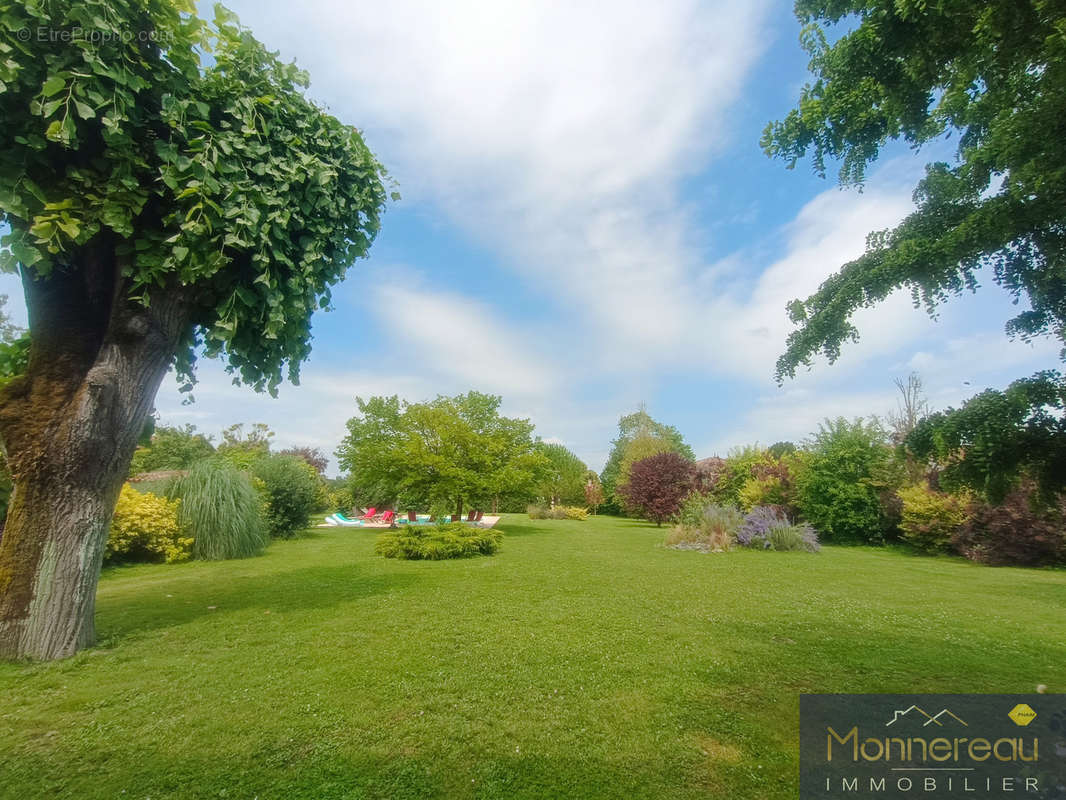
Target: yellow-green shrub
575,512
765,491
931,518
145,528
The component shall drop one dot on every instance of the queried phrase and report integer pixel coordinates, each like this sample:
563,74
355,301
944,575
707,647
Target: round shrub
221,510
146,528
290,487
438,542
929,519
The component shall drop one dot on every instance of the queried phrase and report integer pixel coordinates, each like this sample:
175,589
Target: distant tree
993,76
242,449
657,485
8,330
168,191
779,449
172,448
312,455
564,479
911,408
593,491
449,452
655,438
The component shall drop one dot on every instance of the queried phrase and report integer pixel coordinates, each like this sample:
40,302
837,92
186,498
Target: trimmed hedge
438,542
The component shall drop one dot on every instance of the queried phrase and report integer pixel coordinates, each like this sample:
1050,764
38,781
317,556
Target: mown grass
584,660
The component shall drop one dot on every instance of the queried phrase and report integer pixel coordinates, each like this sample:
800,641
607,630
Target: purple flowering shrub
767,528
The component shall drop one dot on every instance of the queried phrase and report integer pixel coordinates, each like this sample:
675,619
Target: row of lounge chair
371,517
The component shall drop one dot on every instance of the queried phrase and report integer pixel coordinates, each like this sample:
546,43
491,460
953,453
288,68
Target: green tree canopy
170,191
172,448
639,436
449,451
992,75
564,479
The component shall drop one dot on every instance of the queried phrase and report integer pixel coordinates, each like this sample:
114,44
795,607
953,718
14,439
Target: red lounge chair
457,517
412,516
370,514
470,516
388,517
480,514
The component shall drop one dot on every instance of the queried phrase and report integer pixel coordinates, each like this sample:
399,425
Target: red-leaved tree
657,485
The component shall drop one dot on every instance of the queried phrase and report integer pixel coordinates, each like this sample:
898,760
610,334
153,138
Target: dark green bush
221,510
290,487
437,542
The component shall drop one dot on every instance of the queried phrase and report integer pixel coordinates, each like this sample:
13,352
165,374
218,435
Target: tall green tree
171,448
993,76
161,204
564,479
451,451
639,436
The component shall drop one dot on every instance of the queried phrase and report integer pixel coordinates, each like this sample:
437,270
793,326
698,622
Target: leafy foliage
996,437
1014,531
594,496
639,425
147,528
312,455
438,542
930,519
243,450
212,176
993,73
657,485
445,452
767,528
221,510
290,486
563,481
836,490
171,448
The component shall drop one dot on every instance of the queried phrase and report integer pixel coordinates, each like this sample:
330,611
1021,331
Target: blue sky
588,222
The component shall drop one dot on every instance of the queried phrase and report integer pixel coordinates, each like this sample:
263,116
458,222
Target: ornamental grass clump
438,542
222,511
705,526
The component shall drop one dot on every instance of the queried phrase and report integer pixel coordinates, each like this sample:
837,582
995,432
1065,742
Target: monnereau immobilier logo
933,746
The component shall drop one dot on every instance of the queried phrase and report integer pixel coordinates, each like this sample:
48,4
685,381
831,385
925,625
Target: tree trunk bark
70,426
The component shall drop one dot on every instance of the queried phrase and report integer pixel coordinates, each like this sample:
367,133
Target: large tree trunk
70,426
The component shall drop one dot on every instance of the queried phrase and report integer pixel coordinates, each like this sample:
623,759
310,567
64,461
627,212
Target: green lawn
583,661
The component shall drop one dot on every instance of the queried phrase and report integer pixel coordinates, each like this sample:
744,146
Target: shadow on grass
188,598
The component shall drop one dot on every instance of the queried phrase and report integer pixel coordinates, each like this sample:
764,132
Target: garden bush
837,490
755,530
767,528
794,537
146,528
1014,532
437,542
538,511
290,486
704,525
221,510
930,519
